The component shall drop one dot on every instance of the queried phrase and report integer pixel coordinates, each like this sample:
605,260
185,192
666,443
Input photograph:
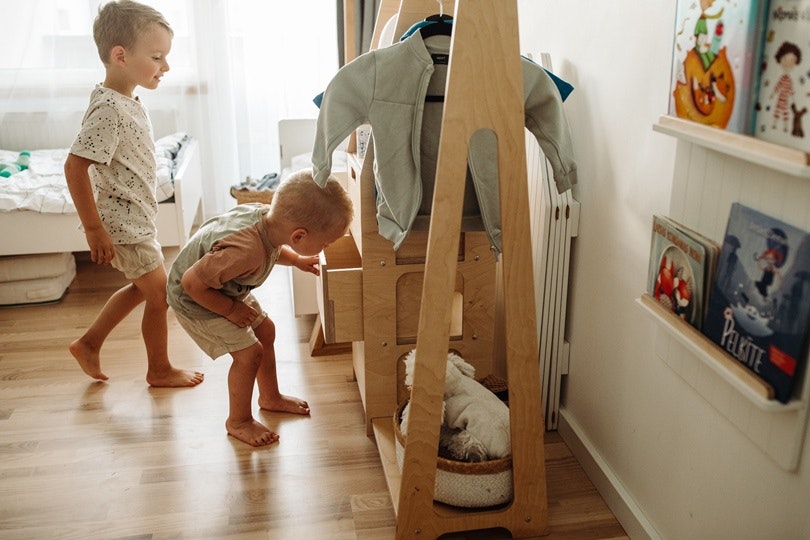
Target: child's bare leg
270,398
241,378
86,350
154,328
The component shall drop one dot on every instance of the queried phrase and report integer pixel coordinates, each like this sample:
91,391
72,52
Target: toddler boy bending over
210,282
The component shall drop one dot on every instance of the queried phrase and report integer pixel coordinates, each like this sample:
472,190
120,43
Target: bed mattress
32,279
42,186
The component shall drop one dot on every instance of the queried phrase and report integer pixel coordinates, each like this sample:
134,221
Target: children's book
714,62
759,302
681,263
784,86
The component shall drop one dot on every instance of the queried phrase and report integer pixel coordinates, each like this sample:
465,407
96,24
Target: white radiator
554,222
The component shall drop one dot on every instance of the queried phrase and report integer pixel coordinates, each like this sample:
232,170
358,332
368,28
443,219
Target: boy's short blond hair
301,202
120,22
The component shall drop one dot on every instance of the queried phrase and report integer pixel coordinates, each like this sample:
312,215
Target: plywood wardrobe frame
485,40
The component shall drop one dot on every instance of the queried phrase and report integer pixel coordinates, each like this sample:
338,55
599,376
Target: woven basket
467,485
243,196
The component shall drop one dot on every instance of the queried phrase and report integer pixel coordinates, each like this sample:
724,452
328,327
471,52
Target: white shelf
773,156
777,429
713,169
746,382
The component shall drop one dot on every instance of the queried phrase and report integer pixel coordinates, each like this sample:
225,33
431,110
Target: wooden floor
118,459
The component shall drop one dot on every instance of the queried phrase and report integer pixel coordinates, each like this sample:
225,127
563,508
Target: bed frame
27,232
296,136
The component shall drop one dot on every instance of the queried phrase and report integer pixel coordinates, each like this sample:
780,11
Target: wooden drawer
340,292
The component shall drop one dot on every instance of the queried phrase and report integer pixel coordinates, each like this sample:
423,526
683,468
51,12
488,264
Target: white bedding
42,187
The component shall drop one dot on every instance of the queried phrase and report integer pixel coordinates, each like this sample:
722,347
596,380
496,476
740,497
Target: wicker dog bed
467,485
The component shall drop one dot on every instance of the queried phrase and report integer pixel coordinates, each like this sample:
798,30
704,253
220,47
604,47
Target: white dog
475,423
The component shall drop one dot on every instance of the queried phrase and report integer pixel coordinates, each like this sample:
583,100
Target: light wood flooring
119,459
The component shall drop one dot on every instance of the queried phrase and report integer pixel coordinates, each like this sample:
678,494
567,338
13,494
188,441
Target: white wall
690,472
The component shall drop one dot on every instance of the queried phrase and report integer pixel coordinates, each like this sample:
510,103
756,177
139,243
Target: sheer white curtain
237,67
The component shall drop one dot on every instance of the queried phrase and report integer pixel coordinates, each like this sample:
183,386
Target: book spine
757,46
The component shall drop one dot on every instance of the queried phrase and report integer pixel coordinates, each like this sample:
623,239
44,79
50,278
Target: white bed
28,231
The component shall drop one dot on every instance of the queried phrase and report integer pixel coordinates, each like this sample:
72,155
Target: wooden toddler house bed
30,232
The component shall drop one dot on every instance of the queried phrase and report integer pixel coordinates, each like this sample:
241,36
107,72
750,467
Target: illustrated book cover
715,59
680,269
759,301
784,83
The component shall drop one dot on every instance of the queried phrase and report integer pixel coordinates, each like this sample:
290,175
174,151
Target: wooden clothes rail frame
484,40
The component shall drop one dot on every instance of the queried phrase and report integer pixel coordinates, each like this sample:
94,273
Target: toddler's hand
242,315
308,264
102,250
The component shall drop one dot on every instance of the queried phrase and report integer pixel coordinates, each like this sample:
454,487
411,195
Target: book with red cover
680,270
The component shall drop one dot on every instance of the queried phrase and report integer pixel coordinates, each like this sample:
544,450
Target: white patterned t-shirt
116,133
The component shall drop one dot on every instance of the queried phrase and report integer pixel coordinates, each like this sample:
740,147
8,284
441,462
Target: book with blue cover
759,302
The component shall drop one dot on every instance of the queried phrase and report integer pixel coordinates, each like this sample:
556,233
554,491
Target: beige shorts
136,260
220,336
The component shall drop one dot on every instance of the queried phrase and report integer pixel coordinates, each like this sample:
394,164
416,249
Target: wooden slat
484,40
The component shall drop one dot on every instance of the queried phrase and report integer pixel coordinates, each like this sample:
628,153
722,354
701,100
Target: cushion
27,279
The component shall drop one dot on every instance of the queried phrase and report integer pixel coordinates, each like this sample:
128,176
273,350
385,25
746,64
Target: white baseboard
618,499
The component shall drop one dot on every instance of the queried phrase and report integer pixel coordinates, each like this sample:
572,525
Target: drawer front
340,292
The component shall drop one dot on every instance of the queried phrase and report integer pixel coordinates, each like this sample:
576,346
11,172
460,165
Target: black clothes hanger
440,17
437,25
440,25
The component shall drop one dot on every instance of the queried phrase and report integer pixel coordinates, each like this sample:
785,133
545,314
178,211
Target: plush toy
22,163
475,423
23,160
7,169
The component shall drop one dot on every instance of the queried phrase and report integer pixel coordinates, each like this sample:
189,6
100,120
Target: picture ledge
748,384
766,154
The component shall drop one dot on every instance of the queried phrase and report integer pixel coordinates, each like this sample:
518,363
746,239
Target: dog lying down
475,423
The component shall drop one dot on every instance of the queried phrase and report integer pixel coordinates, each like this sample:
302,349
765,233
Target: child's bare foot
286,404
174,378
88,359
251,432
